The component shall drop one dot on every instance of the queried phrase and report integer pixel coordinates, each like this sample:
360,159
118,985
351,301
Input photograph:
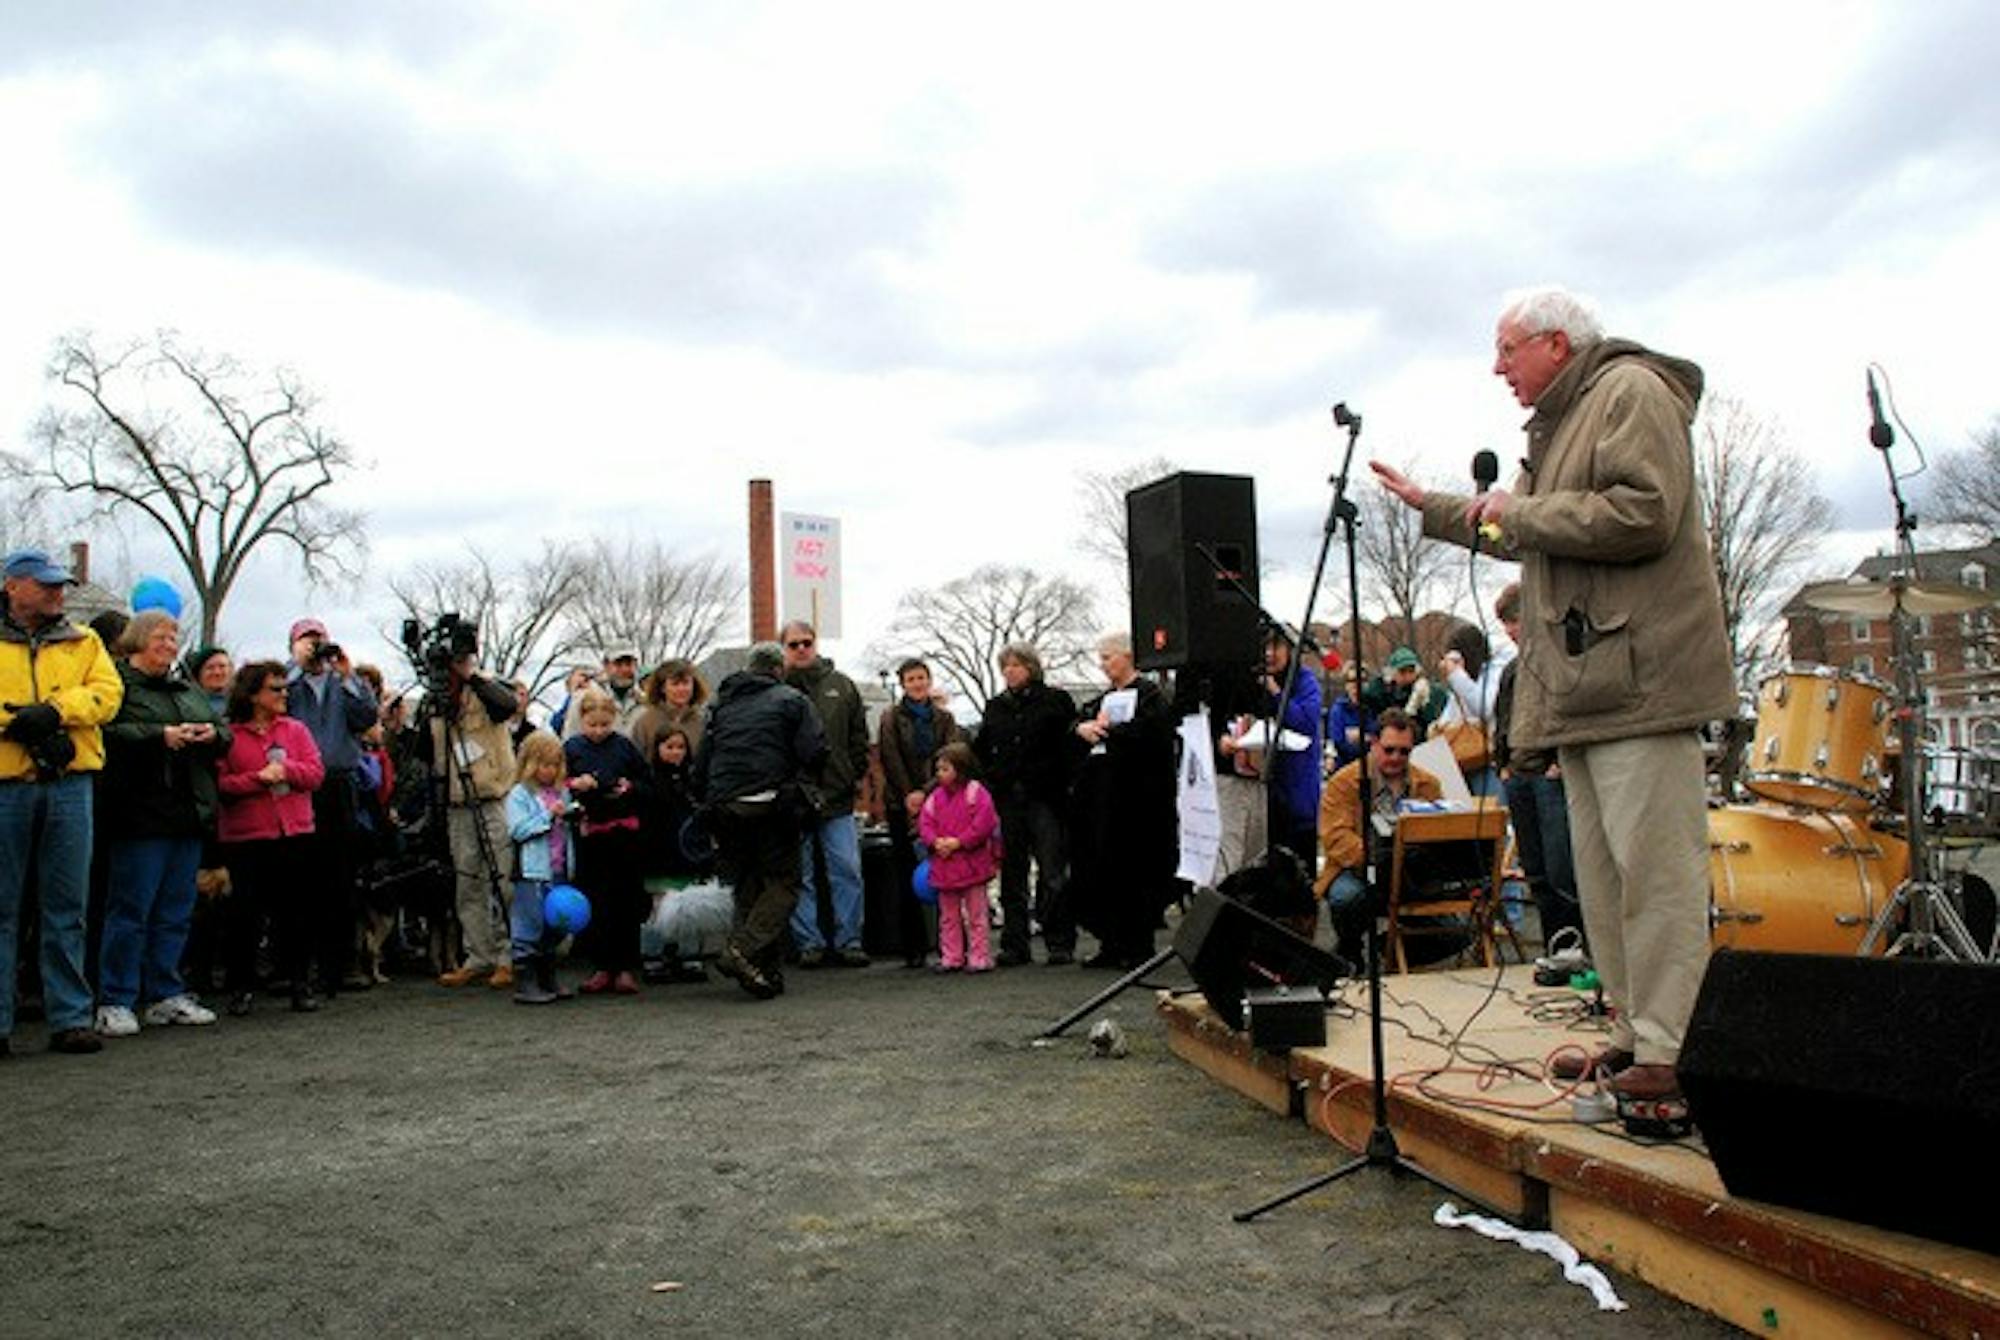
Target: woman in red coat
265,827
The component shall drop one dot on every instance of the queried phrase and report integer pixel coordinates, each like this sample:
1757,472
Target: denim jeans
525,931
148,907
840,838
50,822
1540,812
1347,890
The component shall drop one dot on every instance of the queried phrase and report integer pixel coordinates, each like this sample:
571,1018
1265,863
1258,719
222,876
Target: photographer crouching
474,753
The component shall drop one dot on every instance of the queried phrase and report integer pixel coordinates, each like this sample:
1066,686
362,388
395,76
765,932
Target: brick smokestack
763,564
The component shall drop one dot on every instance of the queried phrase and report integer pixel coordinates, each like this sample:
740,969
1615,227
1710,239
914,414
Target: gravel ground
879,1152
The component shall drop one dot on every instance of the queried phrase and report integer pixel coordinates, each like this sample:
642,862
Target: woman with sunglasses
265,829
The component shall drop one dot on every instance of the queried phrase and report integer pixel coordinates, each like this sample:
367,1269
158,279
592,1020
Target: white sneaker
115,1021
179,1010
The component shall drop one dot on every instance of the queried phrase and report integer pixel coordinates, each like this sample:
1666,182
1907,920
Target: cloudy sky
587,268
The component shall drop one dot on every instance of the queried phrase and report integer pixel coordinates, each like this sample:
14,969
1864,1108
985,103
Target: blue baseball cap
36,565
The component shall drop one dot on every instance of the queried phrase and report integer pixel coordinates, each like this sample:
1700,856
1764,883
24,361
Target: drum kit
1848,848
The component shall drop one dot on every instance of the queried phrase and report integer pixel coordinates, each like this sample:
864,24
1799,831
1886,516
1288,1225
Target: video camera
435,650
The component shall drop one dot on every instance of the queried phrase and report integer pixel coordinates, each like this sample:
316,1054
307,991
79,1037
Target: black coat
1124,820
1025,743
762,736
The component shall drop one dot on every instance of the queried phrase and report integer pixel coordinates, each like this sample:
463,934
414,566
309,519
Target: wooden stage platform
1656,1211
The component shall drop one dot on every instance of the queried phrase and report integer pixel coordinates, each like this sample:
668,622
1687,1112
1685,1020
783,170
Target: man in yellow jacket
57,689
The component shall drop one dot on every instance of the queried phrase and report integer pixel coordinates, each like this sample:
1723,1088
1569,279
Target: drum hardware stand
1381,1151
1935,929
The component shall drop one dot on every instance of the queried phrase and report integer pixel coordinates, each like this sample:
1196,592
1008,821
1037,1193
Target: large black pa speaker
1182,611
1863,1088
1229,949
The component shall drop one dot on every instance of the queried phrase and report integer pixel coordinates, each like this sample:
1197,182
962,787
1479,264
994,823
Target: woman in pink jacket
962,829
264,826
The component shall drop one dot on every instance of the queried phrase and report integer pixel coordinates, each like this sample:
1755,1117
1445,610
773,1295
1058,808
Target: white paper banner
1201,820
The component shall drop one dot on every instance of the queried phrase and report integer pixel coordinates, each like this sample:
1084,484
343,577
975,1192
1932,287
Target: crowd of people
188,822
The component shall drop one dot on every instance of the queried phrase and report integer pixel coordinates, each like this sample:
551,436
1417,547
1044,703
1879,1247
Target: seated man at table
1392,779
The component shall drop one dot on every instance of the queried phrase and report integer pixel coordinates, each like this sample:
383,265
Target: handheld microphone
1879,431
1485,470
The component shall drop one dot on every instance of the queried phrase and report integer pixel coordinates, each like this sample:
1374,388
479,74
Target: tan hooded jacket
1621,620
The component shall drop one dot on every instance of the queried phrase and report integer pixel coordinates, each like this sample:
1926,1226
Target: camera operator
471,744
337,707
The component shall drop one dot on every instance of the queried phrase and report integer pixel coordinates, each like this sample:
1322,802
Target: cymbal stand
1935,928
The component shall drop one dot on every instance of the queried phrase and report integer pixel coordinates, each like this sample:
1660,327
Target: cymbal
1879,598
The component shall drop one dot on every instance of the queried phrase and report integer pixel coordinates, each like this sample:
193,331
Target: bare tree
1965,483
1103,495
519,608
1764,522
648,597
1400,568
221,460
961,625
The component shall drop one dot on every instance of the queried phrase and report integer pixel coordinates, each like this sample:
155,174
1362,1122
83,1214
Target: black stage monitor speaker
1182,611
1863,1088
1230,949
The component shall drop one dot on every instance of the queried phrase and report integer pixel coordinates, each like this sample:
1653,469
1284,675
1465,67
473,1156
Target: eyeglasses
275,686
1506,349
1394,750
799,643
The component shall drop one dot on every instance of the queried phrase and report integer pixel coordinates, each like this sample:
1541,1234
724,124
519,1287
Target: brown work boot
1606,1060
1648,1083
460,977
502,978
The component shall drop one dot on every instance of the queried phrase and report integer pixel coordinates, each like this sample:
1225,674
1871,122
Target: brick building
1958,655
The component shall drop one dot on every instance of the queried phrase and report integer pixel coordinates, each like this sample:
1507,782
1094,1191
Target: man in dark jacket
908,737
337,706
1532,781
762,742
1024,746
836,835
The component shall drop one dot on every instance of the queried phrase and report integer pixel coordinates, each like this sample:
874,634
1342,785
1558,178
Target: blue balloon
920,883
565,911
154,593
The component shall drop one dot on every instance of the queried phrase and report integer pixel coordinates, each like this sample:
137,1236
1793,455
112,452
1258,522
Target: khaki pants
478,918
1638,824
1240,804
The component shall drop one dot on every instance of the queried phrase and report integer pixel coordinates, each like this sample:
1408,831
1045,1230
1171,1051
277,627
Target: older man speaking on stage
1622,655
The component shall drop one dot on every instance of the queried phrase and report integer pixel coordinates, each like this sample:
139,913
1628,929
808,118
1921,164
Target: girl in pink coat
962,829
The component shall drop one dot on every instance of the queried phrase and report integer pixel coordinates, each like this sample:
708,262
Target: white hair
1549,307
1115,643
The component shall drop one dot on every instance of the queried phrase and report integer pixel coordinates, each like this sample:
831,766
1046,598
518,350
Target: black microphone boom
1879,431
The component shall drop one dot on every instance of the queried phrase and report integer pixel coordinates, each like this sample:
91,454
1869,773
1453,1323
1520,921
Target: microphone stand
1935,928
1381,1150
